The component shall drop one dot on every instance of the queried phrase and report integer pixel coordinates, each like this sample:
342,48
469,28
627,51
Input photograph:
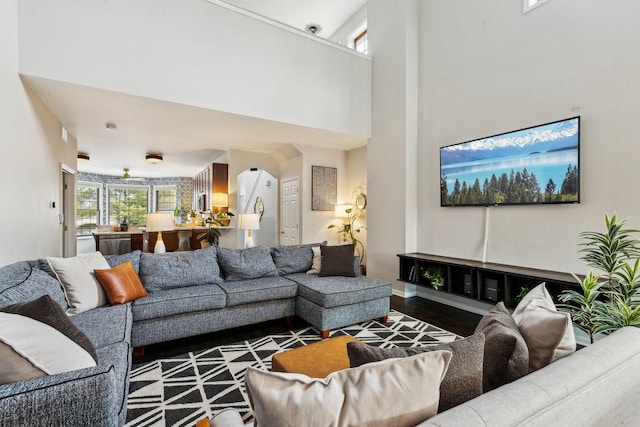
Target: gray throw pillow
506,357
337,261
245,264
46,310
463,380
178,269
292,259
116,260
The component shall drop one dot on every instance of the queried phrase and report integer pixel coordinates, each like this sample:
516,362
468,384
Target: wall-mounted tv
539,164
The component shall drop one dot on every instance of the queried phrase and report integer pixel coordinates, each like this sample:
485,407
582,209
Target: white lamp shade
341,211
159,221
220,200
249,222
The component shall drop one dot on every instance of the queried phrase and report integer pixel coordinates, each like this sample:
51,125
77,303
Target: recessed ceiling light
154,158
83,157
111,126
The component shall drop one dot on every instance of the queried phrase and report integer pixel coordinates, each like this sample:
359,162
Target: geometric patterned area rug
178,391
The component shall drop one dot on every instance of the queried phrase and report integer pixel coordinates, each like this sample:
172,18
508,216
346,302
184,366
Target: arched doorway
258,193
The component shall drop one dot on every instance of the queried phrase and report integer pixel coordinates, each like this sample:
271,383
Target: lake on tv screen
544,166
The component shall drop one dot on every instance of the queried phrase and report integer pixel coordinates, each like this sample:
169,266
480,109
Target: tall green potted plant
351,230
611,300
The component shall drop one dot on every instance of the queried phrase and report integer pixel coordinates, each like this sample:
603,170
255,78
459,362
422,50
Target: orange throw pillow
121,283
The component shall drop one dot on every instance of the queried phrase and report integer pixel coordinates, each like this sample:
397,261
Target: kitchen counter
110,242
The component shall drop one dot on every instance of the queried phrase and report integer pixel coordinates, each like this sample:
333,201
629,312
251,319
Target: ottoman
315,360
334,302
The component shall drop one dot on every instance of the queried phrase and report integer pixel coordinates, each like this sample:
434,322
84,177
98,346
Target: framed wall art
324,188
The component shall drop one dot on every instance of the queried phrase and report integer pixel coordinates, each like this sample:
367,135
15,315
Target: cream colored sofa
596,386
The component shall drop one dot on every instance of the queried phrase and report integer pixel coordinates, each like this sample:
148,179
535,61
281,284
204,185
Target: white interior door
290,212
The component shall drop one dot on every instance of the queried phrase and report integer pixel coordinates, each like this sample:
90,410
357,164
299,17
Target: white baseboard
463,303
406,291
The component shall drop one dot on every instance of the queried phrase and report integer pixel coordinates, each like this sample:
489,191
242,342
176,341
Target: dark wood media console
484,282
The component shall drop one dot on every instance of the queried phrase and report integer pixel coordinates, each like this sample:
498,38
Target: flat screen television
536,165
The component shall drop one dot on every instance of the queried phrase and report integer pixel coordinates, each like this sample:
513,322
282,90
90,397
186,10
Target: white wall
314,226
344,35
30,165
357,178
197,53
392,150
486,68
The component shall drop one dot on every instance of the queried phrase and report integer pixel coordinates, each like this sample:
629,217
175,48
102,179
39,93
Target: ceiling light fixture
111,126
313,28
154,158
83,157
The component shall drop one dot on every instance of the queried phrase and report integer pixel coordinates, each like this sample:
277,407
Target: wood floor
443,316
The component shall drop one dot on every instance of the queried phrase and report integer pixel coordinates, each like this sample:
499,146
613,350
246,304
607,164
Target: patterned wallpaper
184,186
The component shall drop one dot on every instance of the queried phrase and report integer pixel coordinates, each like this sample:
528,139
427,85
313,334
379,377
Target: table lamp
220,200
159,221
341,211
249,222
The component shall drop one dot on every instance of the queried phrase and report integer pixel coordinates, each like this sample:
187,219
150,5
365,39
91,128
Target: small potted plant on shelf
524,290
124,224
434,276
224,218
212,235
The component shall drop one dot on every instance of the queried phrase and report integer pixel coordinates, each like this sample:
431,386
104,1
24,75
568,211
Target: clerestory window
360,42
528,5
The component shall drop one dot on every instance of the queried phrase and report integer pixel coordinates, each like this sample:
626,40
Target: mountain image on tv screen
539,164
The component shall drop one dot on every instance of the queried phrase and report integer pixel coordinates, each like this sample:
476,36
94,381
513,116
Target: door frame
67,215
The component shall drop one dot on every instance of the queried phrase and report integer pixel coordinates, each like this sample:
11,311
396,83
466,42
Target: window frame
362,35
126,187
529,5
156,188
99,188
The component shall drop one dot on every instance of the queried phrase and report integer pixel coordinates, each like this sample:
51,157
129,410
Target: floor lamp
159,221
249,222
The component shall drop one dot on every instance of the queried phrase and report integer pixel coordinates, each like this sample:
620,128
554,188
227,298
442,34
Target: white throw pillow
82,289
397,392
43,346
317,260
547,332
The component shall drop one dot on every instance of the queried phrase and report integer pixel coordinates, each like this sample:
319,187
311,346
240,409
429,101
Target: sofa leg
138,351
384,319
290,321
324,334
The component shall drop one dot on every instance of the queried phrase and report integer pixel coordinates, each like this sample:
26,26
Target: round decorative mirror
361,201
258,206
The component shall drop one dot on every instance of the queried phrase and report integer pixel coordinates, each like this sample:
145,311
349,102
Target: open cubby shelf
486,282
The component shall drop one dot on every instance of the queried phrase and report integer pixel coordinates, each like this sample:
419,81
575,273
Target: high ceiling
188,137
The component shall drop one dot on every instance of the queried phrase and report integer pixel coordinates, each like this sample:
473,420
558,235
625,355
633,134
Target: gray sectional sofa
190,293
